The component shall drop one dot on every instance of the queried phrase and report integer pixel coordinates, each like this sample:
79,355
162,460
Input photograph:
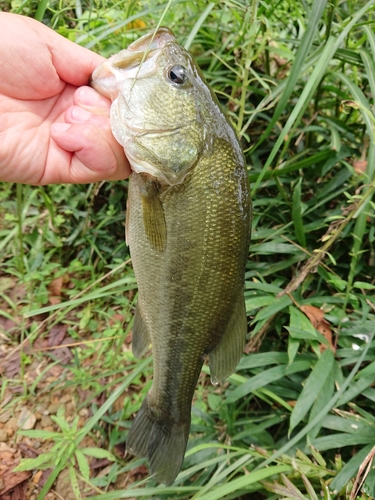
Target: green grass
295,421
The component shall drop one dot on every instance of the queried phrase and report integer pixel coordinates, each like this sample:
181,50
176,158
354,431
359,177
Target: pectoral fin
127,223
225,357
140,337
153,216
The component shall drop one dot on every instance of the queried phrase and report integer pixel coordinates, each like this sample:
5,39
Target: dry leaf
37,477
55,371
316,316
26,420
140,470
55,289
12,366
99,463
360,166
28,451
116,318
44,477
40,343
15,484
363,472
6,325
57,334
64,354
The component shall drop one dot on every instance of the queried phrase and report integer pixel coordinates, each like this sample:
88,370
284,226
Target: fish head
160,105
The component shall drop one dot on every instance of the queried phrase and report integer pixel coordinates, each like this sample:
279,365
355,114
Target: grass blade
198,25
265,378
302,52
297,215
311,388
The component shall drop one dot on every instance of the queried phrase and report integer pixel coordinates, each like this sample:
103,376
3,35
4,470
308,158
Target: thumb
84,153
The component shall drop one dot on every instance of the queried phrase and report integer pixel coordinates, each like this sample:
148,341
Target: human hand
53,129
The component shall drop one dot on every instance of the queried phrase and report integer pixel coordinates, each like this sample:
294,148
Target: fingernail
59,128
80,115
88,96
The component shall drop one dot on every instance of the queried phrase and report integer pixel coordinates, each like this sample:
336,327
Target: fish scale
188,229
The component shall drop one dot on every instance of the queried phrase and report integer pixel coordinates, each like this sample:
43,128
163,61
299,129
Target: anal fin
225,357
140,336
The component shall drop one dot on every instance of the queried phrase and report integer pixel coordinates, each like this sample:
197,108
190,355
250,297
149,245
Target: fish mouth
138,59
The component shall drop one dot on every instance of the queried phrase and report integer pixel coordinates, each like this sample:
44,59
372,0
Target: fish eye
178,75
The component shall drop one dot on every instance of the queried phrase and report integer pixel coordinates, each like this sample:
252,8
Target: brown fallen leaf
57,334
44,477
116,318
17,493
120,449
63,354
11,367
55,289
101,398
12,480
28,451
37,477
6,449
55,371
7,325
360,166
40,343
316,316
99,463
141,471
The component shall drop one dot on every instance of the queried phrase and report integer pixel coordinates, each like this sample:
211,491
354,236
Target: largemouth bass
188,229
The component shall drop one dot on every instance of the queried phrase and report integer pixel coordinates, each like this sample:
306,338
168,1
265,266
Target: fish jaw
138,60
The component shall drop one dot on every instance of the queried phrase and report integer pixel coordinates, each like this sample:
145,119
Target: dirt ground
29,398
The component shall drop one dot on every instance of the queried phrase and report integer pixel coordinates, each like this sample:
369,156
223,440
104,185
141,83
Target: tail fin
163,445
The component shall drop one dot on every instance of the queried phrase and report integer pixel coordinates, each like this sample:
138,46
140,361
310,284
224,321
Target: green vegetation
296,420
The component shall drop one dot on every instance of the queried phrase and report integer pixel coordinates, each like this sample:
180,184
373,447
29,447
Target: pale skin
53,127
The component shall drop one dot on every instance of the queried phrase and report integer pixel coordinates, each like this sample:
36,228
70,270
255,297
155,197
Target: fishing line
147,51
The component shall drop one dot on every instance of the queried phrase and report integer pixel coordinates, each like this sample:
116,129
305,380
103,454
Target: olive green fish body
195,286
188,229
